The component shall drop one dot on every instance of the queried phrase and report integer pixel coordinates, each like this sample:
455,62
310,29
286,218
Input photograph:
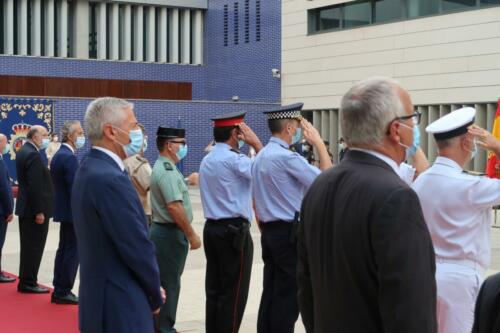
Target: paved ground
191,310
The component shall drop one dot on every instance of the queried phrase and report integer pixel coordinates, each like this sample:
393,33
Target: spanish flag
493,166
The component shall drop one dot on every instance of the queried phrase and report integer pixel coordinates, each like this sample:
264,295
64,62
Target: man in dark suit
366,260
487,312
34,207
6,203
119,278
63,168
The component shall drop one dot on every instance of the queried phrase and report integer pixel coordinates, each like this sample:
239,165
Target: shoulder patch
473,173
168,166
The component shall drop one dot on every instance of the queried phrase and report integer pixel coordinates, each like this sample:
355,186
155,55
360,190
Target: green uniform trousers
171,252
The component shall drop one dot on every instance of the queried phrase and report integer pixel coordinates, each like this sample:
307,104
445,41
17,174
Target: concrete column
150,34
8,26
49,28
127,33
22,27
173,32
102,31
36,28
114,25
81,29
162,35
63,29
186,36
138,33
198,38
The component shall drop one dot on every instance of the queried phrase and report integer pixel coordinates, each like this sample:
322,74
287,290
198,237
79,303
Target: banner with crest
17,115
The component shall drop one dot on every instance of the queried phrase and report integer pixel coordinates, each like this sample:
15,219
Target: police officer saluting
226,193
280,180
171,230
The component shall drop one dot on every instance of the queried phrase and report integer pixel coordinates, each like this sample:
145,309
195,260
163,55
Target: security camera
276,73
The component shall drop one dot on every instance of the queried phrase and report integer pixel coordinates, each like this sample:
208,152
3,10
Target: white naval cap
453,124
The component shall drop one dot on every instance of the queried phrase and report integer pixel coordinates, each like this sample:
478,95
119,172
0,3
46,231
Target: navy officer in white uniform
280,179
226,196
457,208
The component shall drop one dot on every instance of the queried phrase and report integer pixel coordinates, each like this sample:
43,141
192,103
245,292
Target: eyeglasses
415,117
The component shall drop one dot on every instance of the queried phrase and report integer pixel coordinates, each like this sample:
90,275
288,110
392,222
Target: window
93,30
257,20
365,12
236,24
490,2
418,8
449,5
226,24
247,21
328,19
388,10
357,14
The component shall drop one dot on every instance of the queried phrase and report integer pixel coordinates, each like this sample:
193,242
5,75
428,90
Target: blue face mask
297,136
6,149
241,143
474,150
45,143
411,150
135,144
80,142
145,147
183,150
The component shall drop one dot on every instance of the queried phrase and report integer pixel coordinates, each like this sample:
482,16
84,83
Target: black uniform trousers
278,310
229,252
3,232
66,262
33,237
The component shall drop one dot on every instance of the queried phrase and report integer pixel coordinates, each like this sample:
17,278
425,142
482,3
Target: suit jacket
487,314
6,199
35,186
366,260
63,169
119,277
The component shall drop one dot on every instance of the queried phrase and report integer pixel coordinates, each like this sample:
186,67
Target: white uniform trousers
458,285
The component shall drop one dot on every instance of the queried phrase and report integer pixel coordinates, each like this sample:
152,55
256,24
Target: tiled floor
191,310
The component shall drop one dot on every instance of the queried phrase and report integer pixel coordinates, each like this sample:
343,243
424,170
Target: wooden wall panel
72,87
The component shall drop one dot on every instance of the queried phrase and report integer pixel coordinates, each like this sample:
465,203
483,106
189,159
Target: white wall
445,59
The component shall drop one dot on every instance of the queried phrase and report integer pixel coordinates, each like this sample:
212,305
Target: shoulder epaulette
168,166
473,173
235,151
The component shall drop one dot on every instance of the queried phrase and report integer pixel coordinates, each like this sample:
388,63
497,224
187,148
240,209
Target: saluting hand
485,139
249,136
310,133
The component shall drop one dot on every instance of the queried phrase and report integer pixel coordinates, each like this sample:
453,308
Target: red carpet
28,313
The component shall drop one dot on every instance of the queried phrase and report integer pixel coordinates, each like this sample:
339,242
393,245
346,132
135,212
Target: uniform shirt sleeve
300,169
242,166
143,176
485,193
407,173
170,187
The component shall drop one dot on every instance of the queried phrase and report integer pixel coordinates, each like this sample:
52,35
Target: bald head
36,134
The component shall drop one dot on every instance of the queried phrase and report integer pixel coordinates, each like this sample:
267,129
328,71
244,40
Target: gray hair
367,109
68,129
104,110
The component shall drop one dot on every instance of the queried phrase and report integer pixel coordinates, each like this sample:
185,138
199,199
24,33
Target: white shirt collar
383,157
115,157
448,162
69,146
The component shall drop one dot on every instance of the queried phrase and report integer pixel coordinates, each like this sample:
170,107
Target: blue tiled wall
242,69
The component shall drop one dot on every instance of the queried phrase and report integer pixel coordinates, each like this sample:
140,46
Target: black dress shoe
6,279
32,289
68,299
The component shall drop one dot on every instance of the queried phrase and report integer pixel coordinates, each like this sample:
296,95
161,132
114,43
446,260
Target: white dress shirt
115,157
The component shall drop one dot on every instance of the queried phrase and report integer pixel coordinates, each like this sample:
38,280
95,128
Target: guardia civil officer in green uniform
172,215
226,195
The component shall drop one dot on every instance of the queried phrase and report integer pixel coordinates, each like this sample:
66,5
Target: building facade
445,52
180,62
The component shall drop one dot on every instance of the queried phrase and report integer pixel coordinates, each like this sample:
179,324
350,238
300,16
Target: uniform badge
168,166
